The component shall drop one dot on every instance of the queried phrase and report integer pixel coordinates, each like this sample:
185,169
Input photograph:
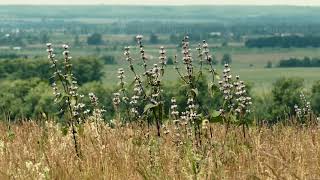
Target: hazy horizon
162,2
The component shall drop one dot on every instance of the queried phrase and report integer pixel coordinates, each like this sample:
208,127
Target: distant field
260,78
249,63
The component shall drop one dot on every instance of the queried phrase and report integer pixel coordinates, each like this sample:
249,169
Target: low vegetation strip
285,41
296,62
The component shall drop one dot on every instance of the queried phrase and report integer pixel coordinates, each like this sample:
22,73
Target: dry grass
29,151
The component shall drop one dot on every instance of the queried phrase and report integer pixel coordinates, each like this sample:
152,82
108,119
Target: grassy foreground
29,151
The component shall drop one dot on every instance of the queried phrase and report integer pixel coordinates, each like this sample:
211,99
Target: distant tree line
296,62
284,42
86,69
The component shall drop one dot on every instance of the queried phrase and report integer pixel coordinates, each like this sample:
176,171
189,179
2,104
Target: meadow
85,96
32,151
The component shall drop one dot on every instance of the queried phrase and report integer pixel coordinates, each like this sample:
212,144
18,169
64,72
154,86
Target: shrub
315,96
109,59
226,59
286,94
154,39
26,98
104,94
296,62
170,61
95,39
269,64
285,42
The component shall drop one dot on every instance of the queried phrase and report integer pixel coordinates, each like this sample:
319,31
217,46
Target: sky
169,2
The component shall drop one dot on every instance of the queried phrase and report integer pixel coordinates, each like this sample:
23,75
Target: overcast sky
168,2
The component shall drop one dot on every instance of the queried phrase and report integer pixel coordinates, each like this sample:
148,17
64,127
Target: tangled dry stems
31,151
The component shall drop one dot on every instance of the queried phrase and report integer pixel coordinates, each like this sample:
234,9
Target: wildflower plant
72,110
303,111
236,100
146,101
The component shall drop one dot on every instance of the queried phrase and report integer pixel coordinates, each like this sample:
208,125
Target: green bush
315,97
103,93
95,39
286,94
107,59
226,59
26,98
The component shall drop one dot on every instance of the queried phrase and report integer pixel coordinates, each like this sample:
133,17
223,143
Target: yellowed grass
29,151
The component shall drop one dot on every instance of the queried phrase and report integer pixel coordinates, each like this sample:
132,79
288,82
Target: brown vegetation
32,151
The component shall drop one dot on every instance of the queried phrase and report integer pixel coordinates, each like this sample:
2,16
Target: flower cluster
226,84
163,59
142,51
187,56
206,51
243,101
305,107
93,99
235,95
174,109
127,54
135,99
116,100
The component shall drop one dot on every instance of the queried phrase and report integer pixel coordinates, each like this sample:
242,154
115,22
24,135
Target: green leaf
215,113
216,117
233,118
213,88
150,106
194,92
64,130
216,75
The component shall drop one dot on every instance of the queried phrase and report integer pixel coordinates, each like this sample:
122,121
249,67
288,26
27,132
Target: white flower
139,37
65,46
